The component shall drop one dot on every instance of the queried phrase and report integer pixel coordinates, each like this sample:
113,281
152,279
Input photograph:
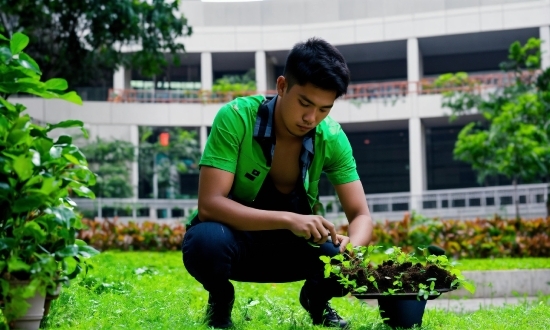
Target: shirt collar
264,124
265,135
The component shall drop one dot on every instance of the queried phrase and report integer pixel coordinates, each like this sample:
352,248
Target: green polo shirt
242,137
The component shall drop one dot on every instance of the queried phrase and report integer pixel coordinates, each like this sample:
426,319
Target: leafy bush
150,236
479,238
38,225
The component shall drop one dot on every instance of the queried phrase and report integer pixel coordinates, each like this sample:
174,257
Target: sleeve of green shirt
222,146
341,167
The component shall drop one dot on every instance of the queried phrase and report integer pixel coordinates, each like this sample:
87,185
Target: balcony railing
359,92
455,203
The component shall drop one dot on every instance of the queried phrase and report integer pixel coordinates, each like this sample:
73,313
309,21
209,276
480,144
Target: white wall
117,115
247,27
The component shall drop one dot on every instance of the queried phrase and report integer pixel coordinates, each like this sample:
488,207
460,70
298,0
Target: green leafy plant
399,273
513,139
38,223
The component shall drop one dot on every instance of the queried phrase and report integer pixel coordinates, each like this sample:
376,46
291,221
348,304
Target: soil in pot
406,277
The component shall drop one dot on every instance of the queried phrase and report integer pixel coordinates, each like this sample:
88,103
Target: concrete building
400,133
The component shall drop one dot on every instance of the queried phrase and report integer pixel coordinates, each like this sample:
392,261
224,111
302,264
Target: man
258,189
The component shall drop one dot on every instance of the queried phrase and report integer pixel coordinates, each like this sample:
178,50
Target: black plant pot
403,313
402,310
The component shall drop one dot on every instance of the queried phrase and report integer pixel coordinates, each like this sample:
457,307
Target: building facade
401,136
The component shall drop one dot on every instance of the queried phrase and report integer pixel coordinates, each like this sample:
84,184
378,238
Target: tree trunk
516,199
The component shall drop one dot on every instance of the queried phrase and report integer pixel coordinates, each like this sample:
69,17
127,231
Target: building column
122,78
414,64
203,136
545,47
417,162
134,138
207,79
261,71
271,80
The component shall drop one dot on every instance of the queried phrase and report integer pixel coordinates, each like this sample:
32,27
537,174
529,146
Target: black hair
319,63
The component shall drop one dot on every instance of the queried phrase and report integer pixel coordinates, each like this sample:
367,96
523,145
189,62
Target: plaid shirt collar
265,135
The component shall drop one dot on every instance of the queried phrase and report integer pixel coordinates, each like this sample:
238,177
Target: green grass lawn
146,290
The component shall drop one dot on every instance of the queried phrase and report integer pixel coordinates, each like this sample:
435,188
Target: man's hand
313,227
342,241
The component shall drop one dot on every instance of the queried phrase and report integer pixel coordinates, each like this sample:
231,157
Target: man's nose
309,116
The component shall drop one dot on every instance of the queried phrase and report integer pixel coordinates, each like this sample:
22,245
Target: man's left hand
342,242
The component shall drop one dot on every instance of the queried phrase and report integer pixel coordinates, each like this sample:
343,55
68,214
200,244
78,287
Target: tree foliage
181,155
111,162
84,40
236,83
515,139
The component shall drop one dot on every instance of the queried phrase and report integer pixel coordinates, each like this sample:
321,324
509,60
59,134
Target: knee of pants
208,247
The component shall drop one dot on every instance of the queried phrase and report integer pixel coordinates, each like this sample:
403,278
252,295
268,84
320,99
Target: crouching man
258,189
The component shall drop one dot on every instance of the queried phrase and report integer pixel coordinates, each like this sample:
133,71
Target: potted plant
402,283
38,173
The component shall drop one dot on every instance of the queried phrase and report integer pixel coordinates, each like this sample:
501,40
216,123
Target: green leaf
68,251
5,54
57,84
27,203
87,251
327,270
33,229
63,215
3,38
23,166
64,139
80,242
325,259
83,191
15,264
71,97
468,286
55,152
18,42
7,104
313,244
27,62
7,243
72,159
65,124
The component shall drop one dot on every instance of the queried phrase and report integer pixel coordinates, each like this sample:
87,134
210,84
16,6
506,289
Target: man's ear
281,85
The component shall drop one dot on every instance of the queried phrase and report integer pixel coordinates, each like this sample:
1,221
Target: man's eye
303,104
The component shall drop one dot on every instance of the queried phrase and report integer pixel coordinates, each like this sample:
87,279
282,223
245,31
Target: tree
514,140
84,40
111,161
181,155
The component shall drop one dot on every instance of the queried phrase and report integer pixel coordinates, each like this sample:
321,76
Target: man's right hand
313,227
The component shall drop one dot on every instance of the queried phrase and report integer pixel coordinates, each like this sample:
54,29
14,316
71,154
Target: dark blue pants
214,254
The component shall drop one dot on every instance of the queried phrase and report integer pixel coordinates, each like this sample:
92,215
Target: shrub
149,236
479,238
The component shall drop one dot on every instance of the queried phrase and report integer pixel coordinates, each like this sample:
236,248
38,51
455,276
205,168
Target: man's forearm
360,230
241,217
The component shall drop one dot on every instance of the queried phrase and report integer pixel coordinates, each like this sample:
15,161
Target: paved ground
468,305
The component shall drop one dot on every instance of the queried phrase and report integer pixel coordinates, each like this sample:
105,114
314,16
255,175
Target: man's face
302,108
